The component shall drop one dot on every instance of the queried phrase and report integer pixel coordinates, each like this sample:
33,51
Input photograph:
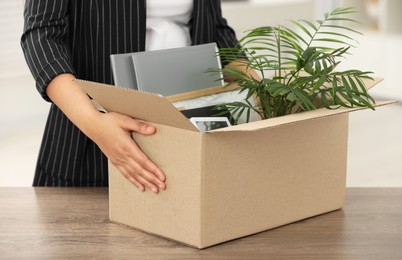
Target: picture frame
205,124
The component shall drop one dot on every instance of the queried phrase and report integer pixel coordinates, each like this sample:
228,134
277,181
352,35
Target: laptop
123,70
169,71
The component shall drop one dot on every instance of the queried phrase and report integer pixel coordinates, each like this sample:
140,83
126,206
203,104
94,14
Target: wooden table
72,223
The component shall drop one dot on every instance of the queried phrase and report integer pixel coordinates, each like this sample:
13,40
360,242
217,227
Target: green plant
303,62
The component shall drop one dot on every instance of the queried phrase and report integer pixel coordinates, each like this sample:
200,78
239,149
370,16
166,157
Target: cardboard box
230,182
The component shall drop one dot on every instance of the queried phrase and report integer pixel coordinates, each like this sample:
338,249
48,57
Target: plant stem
260,68
278,45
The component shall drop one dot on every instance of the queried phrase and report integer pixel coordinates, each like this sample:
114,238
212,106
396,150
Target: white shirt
168,24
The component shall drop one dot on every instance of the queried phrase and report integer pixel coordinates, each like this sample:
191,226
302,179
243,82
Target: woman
65,39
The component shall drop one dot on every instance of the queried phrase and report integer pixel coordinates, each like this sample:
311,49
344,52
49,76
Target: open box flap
371,83
294,118
144,106
308,115
154,108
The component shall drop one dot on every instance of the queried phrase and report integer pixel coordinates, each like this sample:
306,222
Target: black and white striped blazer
78,36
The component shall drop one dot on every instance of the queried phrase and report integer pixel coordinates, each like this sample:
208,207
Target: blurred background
375,137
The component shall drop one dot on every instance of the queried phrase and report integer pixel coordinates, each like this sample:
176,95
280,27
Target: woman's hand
240,65
112,133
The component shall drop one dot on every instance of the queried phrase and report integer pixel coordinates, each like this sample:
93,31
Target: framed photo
205,124
198,103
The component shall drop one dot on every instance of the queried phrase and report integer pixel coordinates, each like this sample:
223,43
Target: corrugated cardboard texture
153,108
371,83
223,186
254,181
231,182
140,105
294,118
174,213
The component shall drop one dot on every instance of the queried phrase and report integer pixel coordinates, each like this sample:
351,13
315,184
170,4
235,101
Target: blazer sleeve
44,41
225,35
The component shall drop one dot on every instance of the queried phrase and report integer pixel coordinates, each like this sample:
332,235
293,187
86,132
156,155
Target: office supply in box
168,71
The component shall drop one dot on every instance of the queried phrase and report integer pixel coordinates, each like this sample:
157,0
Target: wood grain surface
72,223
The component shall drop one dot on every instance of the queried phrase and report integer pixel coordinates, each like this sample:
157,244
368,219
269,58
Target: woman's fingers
149,165
133,167
145,177
138,126
128,176
147,168
115,140
148,184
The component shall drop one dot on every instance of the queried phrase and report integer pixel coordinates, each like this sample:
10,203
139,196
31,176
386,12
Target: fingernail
161,174
155,190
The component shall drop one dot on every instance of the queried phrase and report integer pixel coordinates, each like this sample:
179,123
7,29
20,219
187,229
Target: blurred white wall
12,62
245,15
22,111
375,140
324,6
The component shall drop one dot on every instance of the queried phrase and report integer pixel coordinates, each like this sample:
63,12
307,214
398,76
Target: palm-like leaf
303,61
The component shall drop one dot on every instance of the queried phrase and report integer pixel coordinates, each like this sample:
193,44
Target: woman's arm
110,131
239,65
48,57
